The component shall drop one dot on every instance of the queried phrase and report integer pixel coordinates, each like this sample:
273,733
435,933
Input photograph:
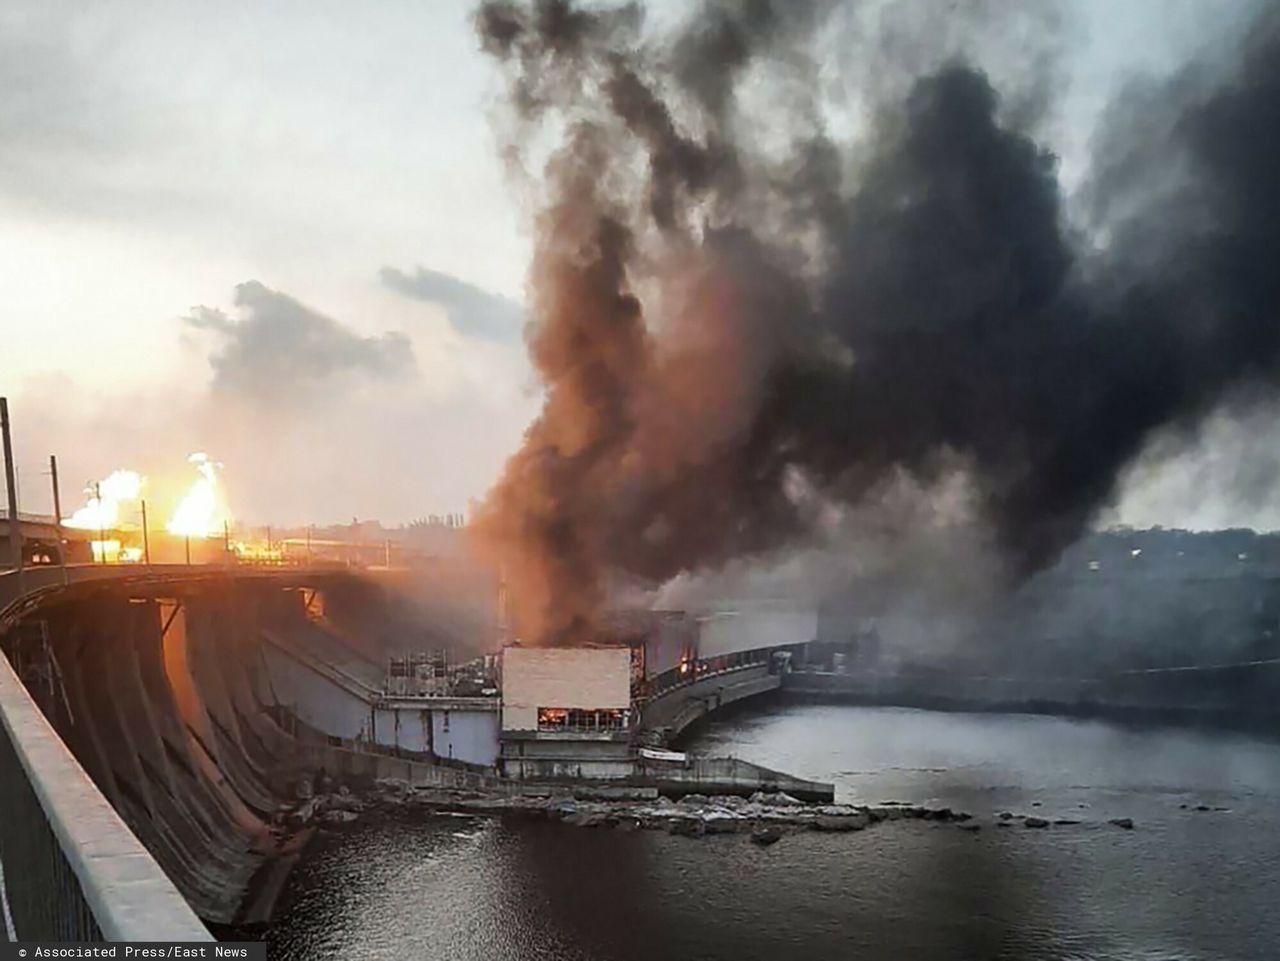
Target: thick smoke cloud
281,350
473,311
735,334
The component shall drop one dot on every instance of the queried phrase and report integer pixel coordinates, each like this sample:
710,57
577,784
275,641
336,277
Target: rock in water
688,827
847,822
765,836
1035,823
339,817
1126,823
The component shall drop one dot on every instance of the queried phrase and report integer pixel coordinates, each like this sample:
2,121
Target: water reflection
1182,885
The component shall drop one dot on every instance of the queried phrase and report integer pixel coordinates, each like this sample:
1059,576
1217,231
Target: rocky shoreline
766,818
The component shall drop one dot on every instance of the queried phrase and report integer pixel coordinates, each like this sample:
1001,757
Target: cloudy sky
281,232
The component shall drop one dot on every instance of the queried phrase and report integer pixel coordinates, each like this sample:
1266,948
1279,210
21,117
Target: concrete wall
408,730
547,757
747,628
358,765
315,699
156,707
681,706
66,824
470,736
447,732
175,686
727,775
578,677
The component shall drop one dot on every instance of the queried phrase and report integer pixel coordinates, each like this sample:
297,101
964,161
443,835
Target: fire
258,552
113,552
201,512
105,499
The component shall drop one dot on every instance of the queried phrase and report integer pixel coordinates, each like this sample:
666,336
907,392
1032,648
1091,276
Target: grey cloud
281,348
473,311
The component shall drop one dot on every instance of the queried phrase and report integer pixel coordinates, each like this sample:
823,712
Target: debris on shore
765,817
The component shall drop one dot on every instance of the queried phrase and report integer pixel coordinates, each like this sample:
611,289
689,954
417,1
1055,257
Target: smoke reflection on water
1182,885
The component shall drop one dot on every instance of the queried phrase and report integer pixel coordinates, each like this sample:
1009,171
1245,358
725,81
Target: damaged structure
566,712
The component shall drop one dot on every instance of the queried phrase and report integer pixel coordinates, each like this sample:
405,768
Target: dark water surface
1184,884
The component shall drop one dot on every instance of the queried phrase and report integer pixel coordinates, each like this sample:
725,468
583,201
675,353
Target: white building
566,712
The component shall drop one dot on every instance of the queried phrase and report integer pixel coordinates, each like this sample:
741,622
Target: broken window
579,719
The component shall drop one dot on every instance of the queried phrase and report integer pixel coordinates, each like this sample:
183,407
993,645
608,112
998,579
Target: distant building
40,543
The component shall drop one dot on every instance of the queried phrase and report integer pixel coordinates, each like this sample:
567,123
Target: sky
283,233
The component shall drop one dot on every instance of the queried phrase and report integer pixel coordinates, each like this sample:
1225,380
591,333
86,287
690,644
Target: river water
1184,884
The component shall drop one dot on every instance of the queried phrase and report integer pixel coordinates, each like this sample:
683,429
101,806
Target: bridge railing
70,869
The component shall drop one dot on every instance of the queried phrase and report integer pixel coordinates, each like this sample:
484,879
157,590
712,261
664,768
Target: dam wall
154,696
182,699
70,868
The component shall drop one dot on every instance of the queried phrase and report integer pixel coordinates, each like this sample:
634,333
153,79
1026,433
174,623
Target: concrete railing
20,592
678,707
70,869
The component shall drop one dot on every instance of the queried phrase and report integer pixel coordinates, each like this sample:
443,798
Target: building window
577,719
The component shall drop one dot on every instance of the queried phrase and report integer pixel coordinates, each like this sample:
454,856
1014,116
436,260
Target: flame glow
258,552
200,513
105,498
111,552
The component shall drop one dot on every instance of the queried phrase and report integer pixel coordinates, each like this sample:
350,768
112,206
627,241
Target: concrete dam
184,715
161,727
203,704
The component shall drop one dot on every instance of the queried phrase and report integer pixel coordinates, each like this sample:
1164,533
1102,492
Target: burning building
566,712
575,712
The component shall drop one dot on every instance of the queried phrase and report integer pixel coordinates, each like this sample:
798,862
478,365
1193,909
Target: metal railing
691,672
70,869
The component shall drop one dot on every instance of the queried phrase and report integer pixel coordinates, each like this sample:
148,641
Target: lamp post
102,533
57,517
146,540
15,525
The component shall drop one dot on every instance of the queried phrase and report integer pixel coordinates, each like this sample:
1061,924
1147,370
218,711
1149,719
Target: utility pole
146,540
15,525
187,539
102,531
57,516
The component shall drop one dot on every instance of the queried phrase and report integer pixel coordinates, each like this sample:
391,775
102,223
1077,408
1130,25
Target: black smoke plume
738,315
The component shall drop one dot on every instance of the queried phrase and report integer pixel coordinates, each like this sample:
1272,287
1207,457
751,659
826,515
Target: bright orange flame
201,512
105,498
257,551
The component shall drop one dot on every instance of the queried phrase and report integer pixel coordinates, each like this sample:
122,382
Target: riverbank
765,817
459,879
1070,699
